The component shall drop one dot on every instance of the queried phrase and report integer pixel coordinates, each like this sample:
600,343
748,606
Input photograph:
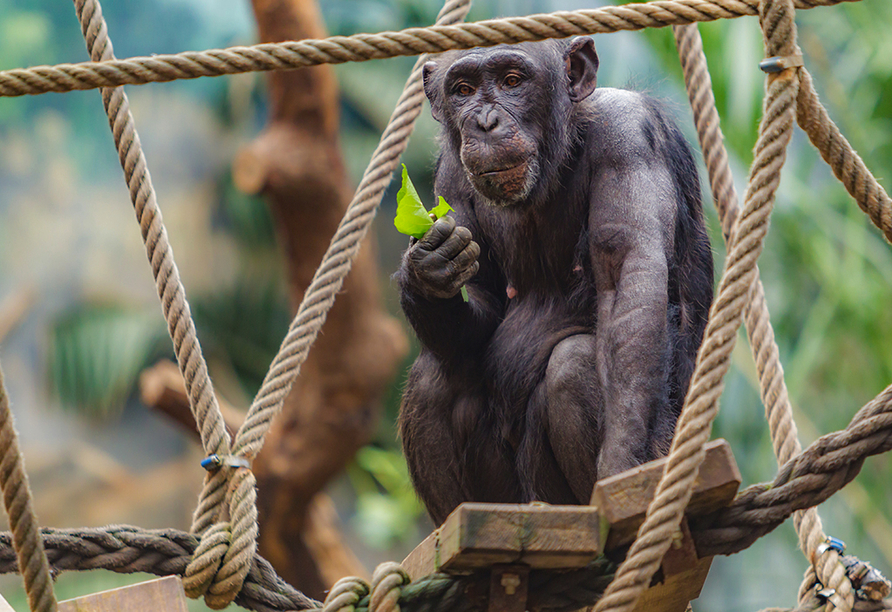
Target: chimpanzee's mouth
497,171
508,183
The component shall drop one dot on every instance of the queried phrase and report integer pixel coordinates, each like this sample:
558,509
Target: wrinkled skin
579,234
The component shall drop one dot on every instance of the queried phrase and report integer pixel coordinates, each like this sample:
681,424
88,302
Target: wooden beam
161,595
478,536
499,537
622,500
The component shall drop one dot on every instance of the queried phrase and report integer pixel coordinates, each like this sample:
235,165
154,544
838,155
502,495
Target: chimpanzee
579,234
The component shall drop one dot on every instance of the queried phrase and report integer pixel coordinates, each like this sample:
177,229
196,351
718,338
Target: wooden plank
161,595
478,536
622,500
675,592
423,560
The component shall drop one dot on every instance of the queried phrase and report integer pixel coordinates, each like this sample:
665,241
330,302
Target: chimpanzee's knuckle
443,227
463,234
469,254
474,248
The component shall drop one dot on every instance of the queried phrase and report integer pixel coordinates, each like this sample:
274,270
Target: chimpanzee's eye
512,80
463,89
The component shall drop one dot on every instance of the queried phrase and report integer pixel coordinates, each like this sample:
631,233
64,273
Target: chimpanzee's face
491,98
491,103
501,107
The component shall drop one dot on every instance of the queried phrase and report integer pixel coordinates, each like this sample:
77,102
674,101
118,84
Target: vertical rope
701,405
17,500
772,387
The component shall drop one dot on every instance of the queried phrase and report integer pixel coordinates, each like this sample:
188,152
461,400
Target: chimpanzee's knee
571,375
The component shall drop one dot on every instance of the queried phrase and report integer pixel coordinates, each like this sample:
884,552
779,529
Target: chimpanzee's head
507,110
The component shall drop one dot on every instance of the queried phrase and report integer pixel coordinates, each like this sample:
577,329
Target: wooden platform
512,539
161,595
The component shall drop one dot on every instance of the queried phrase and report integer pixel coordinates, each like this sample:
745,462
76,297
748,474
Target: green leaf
441,209
411,217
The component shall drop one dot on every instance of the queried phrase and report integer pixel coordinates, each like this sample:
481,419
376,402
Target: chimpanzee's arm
631,227
431,275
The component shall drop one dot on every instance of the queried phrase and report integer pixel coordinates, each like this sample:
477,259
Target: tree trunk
334,406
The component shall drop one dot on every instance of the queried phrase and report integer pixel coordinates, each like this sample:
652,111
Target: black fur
589,275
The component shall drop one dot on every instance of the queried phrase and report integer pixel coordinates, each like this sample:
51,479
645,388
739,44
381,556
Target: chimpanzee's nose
488,119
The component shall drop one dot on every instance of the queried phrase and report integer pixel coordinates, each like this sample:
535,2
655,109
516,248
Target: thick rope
846,164
160,254
166,552
238,548
19,505
363,47
163,552
808,479
772,387
701,405
828,464
345,595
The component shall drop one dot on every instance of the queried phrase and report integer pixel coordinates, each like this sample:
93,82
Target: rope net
218,557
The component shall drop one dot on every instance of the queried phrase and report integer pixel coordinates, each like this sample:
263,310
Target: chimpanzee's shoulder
627,121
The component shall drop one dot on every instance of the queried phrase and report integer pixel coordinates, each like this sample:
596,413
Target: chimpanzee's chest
540,264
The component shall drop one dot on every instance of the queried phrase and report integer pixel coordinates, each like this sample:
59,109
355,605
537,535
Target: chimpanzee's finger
466,256
455,244
468,273
442,229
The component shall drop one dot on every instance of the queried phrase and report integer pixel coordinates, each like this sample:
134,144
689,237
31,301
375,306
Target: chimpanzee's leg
450,442
574,408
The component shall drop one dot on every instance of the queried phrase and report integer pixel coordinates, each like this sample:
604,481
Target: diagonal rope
158,249
773,389
17,500
337,260
226,582
701,405
226,560
846,164
363,47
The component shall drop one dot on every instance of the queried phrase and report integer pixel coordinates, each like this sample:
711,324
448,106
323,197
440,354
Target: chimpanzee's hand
438,265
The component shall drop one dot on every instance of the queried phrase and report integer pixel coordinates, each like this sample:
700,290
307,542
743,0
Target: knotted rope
210,515
231,547
773,389
17,500
363,47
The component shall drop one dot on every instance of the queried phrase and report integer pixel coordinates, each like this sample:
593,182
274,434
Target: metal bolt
510,582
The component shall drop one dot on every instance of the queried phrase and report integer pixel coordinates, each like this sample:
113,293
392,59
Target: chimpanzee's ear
431,89
581,62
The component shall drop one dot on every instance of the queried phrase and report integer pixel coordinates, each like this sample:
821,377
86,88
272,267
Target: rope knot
387,583
227,521
346,594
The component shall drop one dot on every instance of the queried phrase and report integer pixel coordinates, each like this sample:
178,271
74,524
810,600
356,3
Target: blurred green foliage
825,268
